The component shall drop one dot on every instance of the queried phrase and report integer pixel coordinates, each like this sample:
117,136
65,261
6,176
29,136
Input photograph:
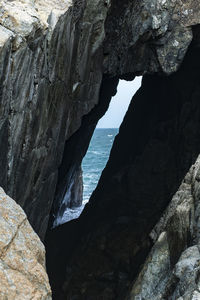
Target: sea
93,164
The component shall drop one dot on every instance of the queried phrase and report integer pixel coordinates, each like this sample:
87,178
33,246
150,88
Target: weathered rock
22,256
148,35
57,75
172,268
156,145
60,61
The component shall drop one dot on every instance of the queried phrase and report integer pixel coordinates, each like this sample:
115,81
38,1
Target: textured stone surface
60,60
25,17
157,143
148,35
37,119
22,256
59,67
172,268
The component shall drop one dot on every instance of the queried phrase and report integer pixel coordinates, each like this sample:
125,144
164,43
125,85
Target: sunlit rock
22,256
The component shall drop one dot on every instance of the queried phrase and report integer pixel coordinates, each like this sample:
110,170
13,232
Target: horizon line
107,128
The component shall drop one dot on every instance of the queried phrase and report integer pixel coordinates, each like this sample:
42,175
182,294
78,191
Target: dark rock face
76,147
157,143
44,94
61,70
171,270
56,83
148,35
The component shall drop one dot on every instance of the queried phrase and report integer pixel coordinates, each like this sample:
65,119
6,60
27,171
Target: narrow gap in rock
101,143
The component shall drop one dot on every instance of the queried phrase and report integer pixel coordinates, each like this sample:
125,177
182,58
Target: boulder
22,256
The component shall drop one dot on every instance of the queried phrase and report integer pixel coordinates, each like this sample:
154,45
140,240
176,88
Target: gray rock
180,280
157,143
60,68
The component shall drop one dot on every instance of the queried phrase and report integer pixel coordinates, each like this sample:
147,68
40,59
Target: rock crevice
153,151
59,53
59,66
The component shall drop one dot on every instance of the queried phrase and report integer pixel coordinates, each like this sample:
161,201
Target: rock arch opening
157,143
98,152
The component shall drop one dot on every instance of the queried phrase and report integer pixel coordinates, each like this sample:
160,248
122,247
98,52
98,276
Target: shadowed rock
51,69
58,73
157,143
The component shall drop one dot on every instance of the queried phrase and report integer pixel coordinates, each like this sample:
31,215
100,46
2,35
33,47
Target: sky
119,103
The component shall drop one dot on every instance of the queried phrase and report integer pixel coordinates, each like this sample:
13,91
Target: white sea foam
71,214
95,152
93,164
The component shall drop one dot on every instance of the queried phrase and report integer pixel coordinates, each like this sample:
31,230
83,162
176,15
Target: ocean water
93,165
96,158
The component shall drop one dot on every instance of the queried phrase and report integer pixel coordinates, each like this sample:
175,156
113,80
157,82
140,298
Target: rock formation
59,67
22,256
171,270
60,63
36,104
156,145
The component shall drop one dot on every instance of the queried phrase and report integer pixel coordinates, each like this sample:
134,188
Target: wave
94,152
93,164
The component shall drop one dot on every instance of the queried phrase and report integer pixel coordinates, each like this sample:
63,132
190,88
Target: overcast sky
119,103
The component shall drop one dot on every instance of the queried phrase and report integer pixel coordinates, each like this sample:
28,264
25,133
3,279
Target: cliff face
171,270
57,76
148,35
156,145
22,256
51,74
43,99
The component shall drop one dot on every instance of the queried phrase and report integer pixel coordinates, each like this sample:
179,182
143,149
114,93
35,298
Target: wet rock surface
22,256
